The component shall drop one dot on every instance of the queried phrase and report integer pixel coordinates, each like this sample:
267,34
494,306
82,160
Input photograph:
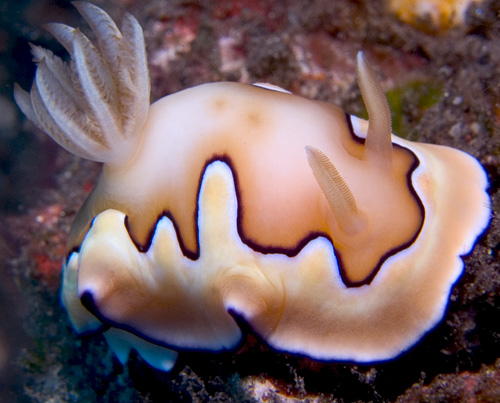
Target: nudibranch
329,236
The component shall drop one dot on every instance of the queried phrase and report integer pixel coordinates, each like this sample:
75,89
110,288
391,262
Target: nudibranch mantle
329,236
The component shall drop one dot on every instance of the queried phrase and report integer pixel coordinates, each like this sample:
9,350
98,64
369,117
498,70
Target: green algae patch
409,102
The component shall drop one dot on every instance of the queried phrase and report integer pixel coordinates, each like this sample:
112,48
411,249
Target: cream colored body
297,304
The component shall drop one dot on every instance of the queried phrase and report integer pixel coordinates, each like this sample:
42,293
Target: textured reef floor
444,88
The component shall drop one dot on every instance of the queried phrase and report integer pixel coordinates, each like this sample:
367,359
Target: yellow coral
441,14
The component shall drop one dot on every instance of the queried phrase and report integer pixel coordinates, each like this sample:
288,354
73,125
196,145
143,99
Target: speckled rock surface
444,88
